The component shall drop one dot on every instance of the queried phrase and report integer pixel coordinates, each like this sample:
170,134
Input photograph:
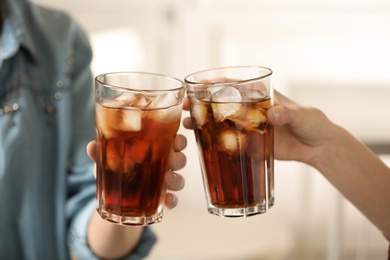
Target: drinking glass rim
270,72
99,81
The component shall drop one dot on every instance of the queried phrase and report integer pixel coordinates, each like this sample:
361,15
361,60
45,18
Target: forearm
111,241
359,175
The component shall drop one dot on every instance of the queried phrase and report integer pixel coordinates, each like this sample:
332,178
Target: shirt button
58,95
60,84
49,110
7,109
15,107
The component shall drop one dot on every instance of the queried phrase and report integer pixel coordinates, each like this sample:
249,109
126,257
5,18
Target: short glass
137,118
235,142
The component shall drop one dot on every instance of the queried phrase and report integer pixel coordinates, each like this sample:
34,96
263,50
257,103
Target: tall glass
235,142
137,118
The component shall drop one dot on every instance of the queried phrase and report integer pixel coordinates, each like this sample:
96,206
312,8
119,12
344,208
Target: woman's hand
305,134
301,133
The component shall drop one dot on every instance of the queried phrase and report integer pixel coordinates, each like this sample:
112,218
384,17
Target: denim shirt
47,187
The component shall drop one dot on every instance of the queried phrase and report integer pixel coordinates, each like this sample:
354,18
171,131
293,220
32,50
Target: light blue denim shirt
47,188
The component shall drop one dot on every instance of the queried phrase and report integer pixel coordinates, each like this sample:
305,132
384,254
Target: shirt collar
17,31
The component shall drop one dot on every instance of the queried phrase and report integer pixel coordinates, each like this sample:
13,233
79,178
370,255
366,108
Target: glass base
241,212
130,221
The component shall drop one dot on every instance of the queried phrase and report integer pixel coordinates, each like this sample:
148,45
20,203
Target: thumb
279,115
91,150
297,117
291,115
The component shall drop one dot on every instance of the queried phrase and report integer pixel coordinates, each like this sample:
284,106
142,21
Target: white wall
321,51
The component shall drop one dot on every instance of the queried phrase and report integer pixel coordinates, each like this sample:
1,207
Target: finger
282,115
284,112
177,161
91,150
171,201
180,143
187,123
306,119
186,104
174,181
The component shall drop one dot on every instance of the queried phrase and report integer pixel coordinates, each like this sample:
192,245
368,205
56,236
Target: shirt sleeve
80,179
78,244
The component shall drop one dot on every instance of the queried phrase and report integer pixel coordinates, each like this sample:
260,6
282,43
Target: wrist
110,241
329,150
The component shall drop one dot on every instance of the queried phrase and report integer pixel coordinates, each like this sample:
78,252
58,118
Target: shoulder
58,28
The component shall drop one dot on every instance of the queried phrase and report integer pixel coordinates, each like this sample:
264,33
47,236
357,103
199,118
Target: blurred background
333,54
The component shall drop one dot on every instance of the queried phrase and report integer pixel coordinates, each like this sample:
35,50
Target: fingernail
172,178
171,201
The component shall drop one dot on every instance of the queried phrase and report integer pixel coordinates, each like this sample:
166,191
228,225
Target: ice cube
232,142
199,114
226,94
251,94
164,101
165,108
172,114
140,101
125,119
223,111
137,151
203,94
129,99
226,103
126,97
256,116
216,88
166,115
113,158
115,115
112,102
102,122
